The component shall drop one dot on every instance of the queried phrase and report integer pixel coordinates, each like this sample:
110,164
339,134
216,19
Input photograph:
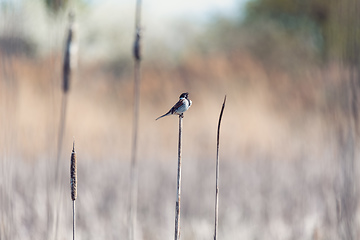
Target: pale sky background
181,8
106,27
167,21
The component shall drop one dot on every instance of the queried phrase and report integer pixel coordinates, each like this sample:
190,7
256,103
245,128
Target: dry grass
279,152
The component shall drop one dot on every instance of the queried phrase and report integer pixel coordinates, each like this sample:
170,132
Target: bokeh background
289,135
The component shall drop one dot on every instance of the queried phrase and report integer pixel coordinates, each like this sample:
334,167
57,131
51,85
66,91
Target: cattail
134,168
70,56
73,183
69,65
137,45
73,174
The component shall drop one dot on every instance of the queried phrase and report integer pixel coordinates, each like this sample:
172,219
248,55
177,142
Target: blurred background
289,135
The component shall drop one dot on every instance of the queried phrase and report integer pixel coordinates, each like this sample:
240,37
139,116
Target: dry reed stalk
178,184
217,173
134,167
73,183
69,65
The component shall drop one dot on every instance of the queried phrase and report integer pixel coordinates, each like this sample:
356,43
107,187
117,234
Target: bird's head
184,95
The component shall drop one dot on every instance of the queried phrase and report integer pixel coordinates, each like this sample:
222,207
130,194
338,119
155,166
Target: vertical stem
58,169
138,14
74,218
134,168
69,65
178,187
60,137
217,173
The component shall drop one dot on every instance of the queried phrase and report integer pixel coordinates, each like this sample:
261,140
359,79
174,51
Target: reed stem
69,65
217,173
178,185
134,167
74,219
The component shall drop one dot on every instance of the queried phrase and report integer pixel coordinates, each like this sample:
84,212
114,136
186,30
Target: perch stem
178,187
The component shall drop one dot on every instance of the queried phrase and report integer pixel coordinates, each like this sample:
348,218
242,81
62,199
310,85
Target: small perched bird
180,107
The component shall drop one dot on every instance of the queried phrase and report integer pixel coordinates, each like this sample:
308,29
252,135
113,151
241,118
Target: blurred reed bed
274,101
288,167
278,144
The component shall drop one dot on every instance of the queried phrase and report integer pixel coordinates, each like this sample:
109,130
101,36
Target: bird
180,107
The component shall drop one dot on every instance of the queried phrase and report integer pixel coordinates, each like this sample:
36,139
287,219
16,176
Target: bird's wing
177,105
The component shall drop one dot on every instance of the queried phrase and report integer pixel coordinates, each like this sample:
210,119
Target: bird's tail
168,113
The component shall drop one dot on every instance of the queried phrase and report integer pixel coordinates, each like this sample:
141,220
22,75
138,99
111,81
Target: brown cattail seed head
73,174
